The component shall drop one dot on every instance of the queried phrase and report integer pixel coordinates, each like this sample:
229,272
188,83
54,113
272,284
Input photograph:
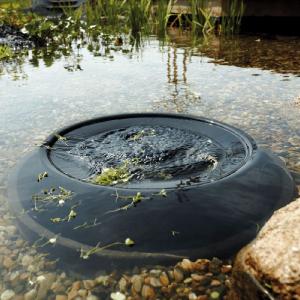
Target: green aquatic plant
59,137
52,195
42,241
201,20
41,176
87,225
162,14
232,19
85,254
139,15
162,193
71,215
134,200
139,135
164,176
13,4
112,176
5,52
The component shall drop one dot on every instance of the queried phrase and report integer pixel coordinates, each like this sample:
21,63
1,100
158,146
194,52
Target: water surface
250,82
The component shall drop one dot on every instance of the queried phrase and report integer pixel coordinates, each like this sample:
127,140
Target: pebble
8,262
148,292
137,282
192,296
186,265
215,295
103,280
57,287
72,294
76,285
61,297
31,295
215,282
226,268
164,279
44,284
82,293
27,260
188,280
155,282
117,296
92,297
197,277
178,275
88,284
123,284
7,295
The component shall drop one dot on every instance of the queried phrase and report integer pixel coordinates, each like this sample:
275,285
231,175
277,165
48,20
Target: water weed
5,52
112,176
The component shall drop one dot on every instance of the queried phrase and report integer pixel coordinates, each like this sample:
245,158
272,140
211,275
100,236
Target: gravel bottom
27,274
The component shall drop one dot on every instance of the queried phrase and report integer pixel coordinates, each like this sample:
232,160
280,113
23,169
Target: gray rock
274,254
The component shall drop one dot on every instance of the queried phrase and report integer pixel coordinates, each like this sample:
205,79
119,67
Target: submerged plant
85,254
41,176
86,225
139,135
71,215
112,176
162,193
5,52
135,199
52,195
40,243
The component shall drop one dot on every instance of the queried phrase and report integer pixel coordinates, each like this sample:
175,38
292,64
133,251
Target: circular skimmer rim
247,141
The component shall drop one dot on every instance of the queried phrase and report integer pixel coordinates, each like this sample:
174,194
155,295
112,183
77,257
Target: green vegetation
137,136
12,4
52,195
112,176
105,27
71,215
232,22
85,254
5,52
41,176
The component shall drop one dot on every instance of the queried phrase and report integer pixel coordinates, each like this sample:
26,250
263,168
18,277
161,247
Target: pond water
251,82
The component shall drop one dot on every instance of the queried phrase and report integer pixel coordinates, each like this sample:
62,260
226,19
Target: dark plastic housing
195,220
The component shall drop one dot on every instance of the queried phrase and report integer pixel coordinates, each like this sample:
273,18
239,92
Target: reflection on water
249,82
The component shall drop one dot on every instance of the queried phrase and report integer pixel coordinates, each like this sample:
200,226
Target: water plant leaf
5,52
112,176
72,214
57,220
53,195
129,242
41,176
137,136
137,198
